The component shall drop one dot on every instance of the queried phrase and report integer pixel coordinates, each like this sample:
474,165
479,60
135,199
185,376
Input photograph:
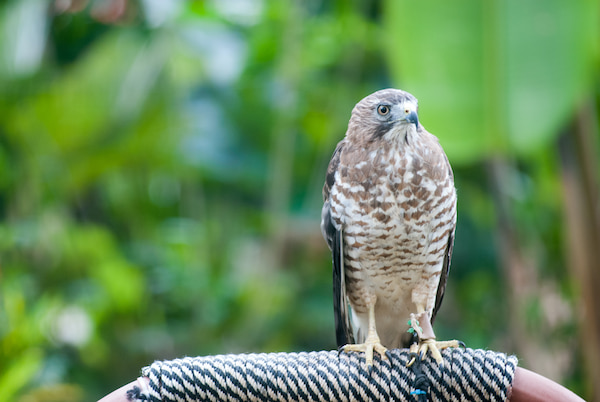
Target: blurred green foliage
162,162
513,70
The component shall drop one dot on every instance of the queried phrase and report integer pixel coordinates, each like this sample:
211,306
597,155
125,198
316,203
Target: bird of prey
388,217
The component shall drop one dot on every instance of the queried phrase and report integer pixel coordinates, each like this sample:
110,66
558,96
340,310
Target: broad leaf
492,76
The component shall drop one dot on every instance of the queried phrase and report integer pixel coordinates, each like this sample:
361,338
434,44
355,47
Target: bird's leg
372,342
421,324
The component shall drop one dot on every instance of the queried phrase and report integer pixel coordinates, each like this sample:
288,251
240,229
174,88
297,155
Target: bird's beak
412,117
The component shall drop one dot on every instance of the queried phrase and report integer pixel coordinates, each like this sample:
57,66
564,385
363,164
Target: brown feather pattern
390,190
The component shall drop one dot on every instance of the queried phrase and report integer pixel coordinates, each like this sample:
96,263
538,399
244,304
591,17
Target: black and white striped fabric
466,375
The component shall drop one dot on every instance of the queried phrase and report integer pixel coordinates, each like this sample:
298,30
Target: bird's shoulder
332,168
432,155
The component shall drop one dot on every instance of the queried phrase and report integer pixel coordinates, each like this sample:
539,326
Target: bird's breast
396,214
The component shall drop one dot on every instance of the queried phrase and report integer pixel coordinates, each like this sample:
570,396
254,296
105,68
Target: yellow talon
372,343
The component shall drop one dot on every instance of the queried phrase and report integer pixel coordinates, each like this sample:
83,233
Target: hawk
389,216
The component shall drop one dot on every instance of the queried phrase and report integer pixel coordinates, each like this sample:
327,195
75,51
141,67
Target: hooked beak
412,117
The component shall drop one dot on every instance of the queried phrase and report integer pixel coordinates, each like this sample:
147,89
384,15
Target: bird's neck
402,136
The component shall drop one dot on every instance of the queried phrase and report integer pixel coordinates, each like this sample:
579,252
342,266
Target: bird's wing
443,276
327,227
334,163
335,241
450,245
343,325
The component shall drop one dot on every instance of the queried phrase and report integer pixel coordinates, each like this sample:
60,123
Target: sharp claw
388,354
434,348
413,358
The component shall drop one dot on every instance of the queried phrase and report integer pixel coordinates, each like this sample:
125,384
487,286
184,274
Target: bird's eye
406,111
383,110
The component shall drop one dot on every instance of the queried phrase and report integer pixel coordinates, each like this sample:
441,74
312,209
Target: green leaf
492,76
123,283
19,373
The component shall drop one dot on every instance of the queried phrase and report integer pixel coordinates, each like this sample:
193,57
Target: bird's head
388,113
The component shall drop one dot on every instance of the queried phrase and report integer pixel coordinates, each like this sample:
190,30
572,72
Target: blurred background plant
161,165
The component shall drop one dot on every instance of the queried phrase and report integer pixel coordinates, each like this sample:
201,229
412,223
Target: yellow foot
368,347
432,346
